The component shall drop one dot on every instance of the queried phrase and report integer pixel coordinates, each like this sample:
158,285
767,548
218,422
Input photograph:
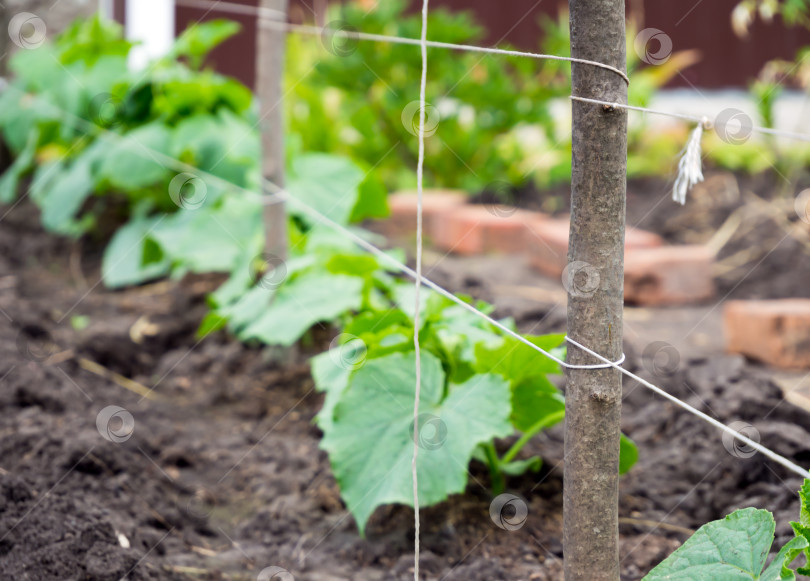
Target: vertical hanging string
419,175
690,170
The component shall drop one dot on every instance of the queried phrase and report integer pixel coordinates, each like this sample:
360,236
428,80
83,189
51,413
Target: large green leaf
517,361
370,443
207,92
327,183
130,162
460,331
248,308
372,201
332,378
91,39
211,238
225,145
10,181
64,198
200,38
62,194
310,298
533,400
129,258
734,548
802,528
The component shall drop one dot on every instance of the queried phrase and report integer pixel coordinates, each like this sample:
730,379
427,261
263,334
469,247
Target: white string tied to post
420,165
690,167
279,193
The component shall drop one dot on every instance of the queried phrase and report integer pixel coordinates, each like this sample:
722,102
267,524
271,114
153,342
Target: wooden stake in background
269,88
594,280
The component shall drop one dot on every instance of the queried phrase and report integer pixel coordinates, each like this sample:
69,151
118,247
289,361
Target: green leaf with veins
65,191
731,549
517,361
534,399
372,199
353,264
327,183
310,298
370,443
802,528
332,378
248,308
224,145
211,238
130,163
372,322
124,261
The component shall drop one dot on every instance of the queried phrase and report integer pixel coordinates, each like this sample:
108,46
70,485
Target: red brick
668,275
637,238
402,221
480,228
547,244
774,331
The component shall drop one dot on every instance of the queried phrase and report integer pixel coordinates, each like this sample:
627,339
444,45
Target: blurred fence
726,59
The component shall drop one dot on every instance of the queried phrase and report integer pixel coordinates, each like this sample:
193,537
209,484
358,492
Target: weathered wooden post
5,45
595,285
270,51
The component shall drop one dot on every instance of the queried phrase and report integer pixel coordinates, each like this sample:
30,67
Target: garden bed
222,476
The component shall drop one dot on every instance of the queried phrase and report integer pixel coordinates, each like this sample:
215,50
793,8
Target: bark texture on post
5,45
269,88
595,297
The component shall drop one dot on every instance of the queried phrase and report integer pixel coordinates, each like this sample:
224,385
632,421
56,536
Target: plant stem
530,433
494,468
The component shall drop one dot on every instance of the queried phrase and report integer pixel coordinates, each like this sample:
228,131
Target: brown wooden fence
727,61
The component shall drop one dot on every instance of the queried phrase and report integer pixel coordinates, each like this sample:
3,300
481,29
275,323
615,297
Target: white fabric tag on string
690,167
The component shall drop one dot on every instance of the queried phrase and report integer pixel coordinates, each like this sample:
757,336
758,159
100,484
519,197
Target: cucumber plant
479,384
737,548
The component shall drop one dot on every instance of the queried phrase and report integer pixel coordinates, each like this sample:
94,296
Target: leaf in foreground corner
734,548
802,528
369,440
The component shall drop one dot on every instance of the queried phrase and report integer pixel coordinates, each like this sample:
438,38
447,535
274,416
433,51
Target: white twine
420,165
694,119
690,170
278,195
366,245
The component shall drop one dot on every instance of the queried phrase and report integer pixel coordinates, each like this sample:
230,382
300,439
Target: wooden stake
5,46
595,285
269,88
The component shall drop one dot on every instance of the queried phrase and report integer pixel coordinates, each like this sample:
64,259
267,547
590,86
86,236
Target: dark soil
222,476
